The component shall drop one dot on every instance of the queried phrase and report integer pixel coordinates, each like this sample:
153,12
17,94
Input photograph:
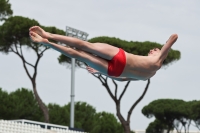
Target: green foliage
85,118
156,127
59,115
5,9
3,104
106,123
164,110
84,115
195,105
15,31
172,114
195,113
138,48
20,104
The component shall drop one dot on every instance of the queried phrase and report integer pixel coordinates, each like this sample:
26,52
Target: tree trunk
125,124
127,128
40,103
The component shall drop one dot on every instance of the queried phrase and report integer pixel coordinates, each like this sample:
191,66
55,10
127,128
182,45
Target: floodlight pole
72,92
83,36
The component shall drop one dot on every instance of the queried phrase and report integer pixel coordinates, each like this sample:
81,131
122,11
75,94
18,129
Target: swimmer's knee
85,46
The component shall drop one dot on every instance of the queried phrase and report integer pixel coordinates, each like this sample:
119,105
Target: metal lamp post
83,36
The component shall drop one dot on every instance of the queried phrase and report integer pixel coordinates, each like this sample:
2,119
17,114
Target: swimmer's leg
96,62
100,49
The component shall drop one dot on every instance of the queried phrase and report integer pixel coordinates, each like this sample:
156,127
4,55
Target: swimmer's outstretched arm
165,49
93,71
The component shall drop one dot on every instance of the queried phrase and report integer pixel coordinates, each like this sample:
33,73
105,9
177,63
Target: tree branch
22,56
24,64
23,60
41,54
139,99
33,48
197,125
99,77
21,50
36,64
125,88
12,50
189,125
116,87
105,84
108,89
16,49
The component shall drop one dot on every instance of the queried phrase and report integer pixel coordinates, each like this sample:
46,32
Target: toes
32,33
33,27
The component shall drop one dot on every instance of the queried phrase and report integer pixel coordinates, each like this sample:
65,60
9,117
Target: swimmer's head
154,52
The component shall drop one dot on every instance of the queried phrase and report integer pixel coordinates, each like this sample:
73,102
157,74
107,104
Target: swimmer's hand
92,70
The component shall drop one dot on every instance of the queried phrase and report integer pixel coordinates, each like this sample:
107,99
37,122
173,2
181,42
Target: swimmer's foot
40,32
37,38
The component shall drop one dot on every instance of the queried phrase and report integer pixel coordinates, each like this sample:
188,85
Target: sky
128,20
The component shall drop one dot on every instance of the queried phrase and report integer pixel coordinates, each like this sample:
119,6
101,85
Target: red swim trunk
117,63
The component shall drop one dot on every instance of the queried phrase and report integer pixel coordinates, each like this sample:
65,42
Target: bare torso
141,67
